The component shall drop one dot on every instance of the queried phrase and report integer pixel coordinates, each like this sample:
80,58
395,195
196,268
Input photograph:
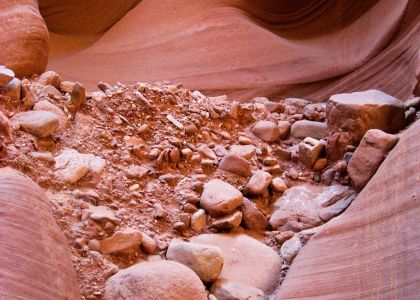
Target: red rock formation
83,16
24,37
35,260
246,48
372,250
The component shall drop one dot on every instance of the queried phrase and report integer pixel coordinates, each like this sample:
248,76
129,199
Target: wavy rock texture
35,260
24,37
246,48
371,251
83,16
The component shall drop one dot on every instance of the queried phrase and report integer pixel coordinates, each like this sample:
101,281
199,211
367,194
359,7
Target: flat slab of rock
235,165
244,151
349,116
369,155
252,217
246,260
299,207
220,198
205,260
155,280
71,166
227,290
228,222
305,128
41,124
121,241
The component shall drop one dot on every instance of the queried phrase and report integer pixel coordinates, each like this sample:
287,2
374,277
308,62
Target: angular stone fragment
6,75
41,124
244,151
349,116
228,222
71,166
310,150
228,290
13,90
121,241
290,249
50,78
278,185
304,128
205,260
235,165
299,207
220,198
198,220
266,131
252,217
258,184
369,155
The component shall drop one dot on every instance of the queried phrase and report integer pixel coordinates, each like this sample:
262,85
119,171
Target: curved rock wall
251,48
24,37
35,260
372,250
83,17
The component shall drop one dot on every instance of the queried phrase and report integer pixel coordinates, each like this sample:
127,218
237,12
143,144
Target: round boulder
163,280
246,260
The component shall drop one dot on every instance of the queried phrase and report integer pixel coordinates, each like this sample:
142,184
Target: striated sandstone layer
24,37
35,261
246,48
372,251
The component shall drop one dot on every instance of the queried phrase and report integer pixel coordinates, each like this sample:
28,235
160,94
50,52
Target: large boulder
246,260
24,37
369,155
163,280
219,197
300,206
205,260
35,259
372,251
349,116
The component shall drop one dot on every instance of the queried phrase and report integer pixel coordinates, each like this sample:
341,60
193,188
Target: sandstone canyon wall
371,251
241,48
35,261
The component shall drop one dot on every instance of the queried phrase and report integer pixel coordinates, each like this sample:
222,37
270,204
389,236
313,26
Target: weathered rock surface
349,116
155,280
363,240
305,128
219,198
226,290
6,75
121,241
205,260
71,166
290,249
246,260
258,184
369,155
252,217
266,131
299,207
235,165
228,222
33,245
41,124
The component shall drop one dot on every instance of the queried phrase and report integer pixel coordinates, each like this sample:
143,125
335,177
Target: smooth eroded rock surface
166,280
246,260
35,260
372,250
